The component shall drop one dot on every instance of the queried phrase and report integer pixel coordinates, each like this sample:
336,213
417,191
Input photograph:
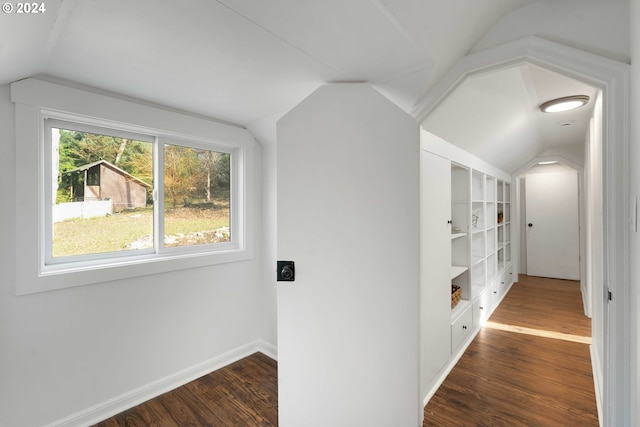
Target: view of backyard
103,194
133,229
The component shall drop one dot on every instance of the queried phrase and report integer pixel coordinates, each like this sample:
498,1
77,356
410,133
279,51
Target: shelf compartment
457,270
501,259
478,275
457,235
477,185
492,216
491,240
491,189
477,216
478,246
492,265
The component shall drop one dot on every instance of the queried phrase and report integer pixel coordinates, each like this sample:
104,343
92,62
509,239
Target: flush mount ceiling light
564,104
550,162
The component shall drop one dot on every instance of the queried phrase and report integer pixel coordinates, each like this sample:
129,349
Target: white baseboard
268,349
444,372
596,367
137,396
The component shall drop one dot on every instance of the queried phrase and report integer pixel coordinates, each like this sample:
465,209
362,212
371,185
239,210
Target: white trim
444,372
596,365
127,400
34,100
612,78
268,349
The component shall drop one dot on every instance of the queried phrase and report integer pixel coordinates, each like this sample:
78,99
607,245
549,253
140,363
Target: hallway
529,366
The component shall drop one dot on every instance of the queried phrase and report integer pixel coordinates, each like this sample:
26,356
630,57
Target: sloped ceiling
250,61
244,60
496,115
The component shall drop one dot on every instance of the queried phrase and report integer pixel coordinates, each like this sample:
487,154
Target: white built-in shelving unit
475,204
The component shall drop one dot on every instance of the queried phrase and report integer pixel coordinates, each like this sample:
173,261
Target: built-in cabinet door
435,290
482,308
461,328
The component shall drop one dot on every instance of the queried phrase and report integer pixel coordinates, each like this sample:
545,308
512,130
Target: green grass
115,232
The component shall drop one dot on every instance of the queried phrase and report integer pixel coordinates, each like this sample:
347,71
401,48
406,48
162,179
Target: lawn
130,230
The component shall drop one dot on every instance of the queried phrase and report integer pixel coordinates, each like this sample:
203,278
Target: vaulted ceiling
250,61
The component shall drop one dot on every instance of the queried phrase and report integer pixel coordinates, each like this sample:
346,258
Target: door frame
524,244
518,176
612,78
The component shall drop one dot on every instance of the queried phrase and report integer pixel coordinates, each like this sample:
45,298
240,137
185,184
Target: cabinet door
482,308
435,259
461,328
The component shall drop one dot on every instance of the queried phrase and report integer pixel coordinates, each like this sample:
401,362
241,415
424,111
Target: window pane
102,193
196,196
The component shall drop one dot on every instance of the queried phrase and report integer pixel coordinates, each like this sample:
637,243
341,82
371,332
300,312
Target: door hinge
609,295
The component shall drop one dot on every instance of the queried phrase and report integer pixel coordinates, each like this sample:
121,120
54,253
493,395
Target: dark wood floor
244,393
530,366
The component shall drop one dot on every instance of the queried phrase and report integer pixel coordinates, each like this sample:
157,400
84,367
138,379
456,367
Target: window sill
78,274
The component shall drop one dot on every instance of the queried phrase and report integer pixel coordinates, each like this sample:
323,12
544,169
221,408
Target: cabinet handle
449,222
481,308
464,326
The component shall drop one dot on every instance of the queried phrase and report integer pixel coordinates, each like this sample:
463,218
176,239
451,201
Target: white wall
634,344
265,132
348,216
72,350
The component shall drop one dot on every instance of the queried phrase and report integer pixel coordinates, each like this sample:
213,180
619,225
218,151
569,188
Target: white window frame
37,101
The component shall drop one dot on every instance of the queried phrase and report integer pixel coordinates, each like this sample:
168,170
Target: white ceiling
496,115
250,61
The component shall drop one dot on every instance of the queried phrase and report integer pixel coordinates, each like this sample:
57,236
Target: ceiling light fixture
564,104
551,162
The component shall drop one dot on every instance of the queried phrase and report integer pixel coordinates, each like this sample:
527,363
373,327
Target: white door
552,224
347,188
435,270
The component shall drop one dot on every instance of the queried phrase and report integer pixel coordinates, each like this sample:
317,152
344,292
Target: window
102,194
109,189
196,196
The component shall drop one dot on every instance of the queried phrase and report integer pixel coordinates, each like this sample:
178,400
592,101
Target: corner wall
71,356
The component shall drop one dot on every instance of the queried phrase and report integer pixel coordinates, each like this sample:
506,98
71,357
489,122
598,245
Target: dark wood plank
244,393
510,378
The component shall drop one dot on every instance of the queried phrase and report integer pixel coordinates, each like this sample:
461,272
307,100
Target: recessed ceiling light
564,104
550,162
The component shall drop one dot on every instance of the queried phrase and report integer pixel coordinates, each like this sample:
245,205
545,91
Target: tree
181,171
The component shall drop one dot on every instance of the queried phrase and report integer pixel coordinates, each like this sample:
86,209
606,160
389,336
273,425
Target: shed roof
111,166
